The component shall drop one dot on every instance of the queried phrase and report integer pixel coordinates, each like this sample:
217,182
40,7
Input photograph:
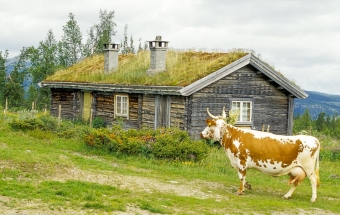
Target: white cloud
299,38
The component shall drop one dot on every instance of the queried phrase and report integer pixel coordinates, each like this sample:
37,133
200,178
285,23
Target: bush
66,129
170,144
98,122
26,124
49,123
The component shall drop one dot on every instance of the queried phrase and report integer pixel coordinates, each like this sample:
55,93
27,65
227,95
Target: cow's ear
210,122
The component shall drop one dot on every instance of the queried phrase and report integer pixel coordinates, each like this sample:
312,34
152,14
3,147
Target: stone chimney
157,55
111,57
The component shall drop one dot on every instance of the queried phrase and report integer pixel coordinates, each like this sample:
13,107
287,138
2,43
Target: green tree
321,122
44,59
132,47
140,48
14,85
146,46
337,127
125,46
303,122
3,58
99,34
44,62
71,42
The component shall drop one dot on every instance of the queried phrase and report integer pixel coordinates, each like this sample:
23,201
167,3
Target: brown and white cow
276,155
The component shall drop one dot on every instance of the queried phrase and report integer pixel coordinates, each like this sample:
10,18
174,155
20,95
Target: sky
299,38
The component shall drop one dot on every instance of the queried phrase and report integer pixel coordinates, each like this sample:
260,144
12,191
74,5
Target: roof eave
160,90
248,59
279,79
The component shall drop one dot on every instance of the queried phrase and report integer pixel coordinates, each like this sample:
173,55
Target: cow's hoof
239,193
312,200
247,185
286,197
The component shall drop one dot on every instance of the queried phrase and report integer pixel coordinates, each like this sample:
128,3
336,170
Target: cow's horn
212,116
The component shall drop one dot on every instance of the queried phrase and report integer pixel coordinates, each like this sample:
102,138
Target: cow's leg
296,175
291,191
242,177
247,185
314,183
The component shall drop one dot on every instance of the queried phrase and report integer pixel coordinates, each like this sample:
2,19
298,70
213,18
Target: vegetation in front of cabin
163,143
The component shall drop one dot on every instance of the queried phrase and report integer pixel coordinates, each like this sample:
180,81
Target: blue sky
299,38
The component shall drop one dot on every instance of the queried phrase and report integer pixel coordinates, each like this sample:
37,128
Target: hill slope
316,103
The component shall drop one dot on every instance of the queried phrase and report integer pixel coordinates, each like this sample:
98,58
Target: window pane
245,110
124,105
119,104
236,106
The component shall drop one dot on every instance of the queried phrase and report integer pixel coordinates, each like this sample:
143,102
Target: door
162,111
87,106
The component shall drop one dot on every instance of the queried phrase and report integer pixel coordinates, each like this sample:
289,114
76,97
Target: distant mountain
316,103
10,63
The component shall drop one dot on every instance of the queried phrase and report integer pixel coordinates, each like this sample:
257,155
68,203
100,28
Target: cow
276,155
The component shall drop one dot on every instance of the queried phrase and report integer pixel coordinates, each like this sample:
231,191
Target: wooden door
87,103
162,111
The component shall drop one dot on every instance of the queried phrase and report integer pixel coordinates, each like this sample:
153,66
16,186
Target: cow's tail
317,158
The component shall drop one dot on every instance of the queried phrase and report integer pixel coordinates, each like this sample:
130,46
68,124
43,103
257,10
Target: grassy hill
43,174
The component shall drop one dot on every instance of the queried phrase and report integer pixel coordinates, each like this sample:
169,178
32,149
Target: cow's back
269,153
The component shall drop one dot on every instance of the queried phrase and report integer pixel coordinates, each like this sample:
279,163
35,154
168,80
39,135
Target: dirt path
136,183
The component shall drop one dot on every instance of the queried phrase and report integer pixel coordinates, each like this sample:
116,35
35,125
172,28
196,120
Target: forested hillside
317,103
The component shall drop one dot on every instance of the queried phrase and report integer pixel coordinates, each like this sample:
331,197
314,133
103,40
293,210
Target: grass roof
183,68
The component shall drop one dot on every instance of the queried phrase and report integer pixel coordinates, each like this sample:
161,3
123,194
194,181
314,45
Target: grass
57,176
183,68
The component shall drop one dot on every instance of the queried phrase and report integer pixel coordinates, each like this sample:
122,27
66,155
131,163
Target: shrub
98,122
171,144
66,129
26,124
49,122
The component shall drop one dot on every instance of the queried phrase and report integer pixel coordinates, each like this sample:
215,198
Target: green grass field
43,174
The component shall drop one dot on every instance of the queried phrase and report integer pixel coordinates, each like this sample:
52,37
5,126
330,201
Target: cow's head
215,125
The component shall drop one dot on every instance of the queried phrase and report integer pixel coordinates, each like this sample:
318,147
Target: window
122,105
245,108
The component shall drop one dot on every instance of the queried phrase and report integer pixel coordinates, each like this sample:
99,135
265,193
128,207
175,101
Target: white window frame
121,106
242,111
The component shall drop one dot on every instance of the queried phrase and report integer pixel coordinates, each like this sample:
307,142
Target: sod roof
186,73
183,68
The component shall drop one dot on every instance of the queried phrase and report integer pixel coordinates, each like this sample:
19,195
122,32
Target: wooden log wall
148,111
104,108
69,101
270,104
132,122
177,112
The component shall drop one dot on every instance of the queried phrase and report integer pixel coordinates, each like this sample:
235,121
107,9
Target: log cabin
165,88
